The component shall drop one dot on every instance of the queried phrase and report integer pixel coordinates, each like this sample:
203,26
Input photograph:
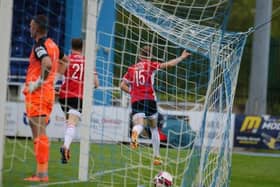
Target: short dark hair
145,51
77,43
42,22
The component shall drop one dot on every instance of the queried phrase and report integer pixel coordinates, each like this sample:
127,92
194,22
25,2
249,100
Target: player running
138,82
71,95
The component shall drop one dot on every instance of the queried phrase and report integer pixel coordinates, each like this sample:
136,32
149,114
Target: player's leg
38,110
152,114
73,107
138,126
155,139
138,120
41,148
73,119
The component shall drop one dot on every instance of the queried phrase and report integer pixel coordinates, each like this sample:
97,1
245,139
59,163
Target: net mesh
205,82
194,98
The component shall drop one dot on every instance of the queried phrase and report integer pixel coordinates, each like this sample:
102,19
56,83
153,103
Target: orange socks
41,150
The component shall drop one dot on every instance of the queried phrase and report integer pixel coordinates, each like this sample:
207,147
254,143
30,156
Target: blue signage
261,132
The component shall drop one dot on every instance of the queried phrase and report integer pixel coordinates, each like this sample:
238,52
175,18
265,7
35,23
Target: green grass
247,171
251,171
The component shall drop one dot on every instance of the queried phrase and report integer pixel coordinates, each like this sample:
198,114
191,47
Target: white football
163,179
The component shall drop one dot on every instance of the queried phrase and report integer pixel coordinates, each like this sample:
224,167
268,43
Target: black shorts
149,107
71,103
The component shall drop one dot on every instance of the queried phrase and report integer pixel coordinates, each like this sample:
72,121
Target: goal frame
6,13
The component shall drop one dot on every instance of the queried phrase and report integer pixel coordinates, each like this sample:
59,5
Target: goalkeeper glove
59,79
34,85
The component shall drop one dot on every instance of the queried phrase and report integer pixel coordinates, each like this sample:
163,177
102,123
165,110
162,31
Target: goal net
194,98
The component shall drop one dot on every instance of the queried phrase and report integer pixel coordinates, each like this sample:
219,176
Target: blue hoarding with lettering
261,132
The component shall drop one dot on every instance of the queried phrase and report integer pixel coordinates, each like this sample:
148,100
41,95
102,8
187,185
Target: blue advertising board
261,132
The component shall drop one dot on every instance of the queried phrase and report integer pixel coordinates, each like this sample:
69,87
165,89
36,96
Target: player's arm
46,65
63,62
124,86
175,61
46,62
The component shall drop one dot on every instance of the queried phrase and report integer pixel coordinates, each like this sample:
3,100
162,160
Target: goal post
91,13
194,98
208,78
6,8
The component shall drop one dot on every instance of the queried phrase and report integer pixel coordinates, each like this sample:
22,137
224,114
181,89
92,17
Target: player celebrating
71,94
138,82
39,91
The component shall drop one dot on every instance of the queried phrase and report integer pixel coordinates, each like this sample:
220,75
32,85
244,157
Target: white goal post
6,9
90,56
194,98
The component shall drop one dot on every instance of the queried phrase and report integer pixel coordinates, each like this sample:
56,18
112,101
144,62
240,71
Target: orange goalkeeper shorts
39,105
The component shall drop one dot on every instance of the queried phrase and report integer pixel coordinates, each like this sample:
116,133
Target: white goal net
194,98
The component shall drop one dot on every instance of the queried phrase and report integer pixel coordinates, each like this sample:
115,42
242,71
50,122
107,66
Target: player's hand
185,54
57,91
59,80
34,85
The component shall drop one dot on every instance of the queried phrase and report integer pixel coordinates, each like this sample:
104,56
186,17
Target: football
163,179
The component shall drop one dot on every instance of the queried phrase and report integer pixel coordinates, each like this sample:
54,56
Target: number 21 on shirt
78,71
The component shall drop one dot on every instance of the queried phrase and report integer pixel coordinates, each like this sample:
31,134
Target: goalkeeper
71,94
138,82
39,91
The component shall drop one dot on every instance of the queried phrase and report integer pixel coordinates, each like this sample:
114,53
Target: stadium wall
108,123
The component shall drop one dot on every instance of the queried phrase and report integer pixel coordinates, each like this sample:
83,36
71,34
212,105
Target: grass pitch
247,171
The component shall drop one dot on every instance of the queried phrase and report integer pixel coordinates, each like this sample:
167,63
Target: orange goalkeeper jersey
40,102
44,47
